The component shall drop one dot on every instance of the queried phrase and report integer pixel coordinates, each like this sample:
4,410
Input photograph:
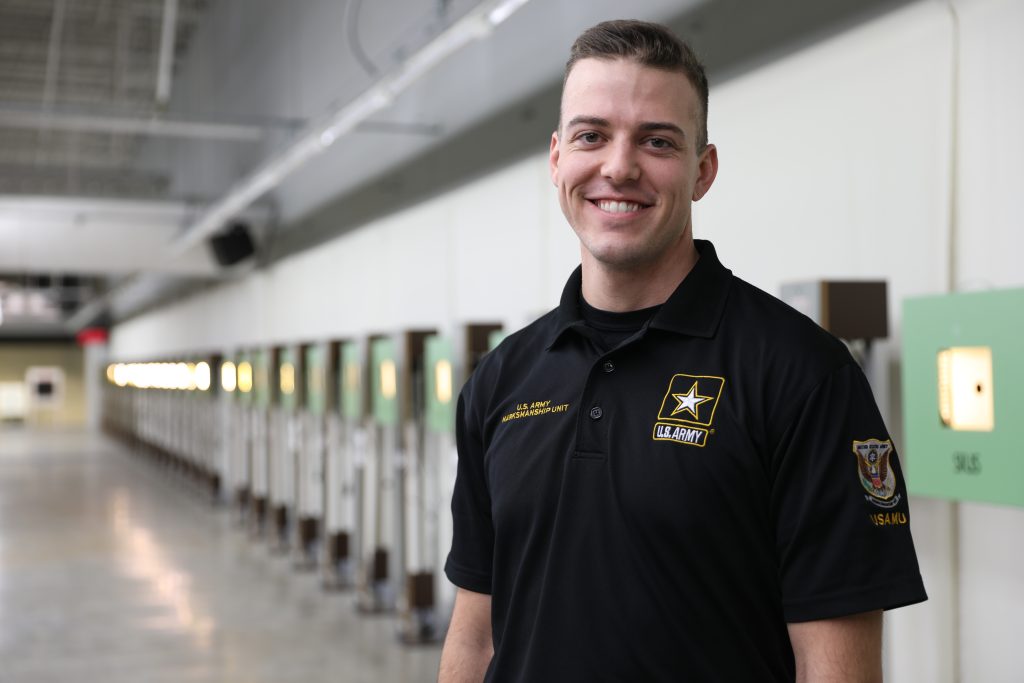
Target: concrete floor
112,571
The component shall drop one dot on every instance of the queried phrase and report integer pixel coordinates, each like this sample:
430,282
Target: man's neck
631,289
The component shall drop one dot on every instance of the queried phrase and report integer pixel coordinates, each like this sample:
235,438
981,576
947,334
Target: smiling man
663,478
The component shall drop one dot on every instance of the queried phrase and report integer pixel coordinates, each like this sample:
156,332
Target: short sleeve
470,560
840,507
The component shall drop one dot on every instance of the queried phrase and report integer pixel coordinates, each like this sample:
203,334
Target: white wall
836,162
989,244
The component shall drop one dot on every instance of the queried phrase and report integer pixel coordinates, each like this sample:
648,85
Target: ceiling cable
354,43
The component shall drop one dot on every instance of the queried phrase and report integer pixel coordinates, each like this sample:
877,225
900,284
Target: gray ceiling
81,117
63,61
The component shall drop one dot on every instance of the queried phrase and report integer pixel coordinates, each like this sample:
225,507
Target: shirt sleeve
840,507
470,560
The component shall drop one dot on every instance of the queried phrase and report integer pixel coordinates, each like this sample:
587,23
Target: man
672,476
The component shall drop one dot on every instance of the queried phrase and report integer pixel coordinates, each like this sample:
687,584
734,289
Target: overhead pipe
157,127
53,53
165,67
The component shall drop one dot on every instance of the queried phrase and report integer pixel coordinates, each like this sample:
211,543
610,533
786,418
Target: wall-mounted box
963,395
849,309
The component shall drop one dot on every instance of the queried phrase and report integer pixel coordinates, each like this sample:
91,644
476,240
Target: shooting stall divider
205,427
427,437
376,588
284,446
239,432
259,383
310,471
340,476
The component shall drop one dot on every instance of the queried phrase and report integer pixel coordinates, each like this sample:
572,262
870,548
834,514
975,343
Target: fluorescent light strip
317,137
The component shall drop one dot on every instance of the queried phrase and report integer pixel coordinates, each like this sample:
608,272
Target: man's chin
620,257
633,255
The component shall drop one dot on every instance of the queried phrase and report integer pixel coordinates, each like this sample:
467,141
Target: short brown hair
651,45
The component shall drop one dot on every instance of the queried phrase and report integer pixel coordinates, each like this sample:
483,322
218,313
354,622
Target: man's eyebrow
588,120
663,125
647,126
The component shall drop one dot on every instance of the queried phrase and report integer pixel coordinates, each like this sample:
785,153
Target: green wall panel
350,381
316,380
495,338
985,466
246,397
440,384
288,379
384,381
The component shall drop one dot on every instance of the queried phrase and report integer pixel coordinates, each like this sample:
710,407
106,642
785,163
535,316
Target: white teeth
617,207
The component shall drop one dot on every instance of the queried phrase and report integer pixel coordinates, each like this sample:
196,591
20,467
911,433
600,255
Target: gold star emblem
689,401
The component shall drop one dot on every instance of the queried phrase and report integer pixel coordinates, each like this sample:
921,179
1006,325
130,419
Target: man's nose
621,163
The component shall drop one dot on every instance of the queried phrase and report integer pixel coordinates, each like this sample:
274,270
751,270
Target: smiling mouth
609,206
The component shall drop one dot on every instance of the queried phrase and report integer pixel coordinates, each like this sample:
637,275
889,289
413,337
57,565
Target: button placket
592,433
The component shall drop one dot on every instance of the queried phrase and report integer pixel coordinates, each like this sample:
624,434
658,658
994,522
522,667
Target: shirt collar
694,308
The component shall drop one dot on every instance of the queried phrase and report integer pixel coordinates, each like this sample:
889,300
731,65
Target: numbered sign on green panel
287,380
963,394
439,381
261,378
316,380
350,381
384,378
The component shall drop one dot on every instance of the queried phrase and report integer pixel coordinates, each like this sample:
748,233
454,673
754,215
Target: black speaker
232,245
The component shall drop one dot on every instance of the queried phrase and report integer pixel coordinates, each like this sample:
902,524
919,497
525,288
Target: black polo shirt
660,510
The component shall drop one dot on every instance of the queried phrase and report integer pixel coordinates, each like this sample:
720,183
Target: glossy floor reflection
110,571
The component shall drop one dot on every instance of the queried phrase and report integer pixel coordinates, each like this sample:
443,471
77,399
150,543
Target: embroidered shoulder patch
876,475
688,409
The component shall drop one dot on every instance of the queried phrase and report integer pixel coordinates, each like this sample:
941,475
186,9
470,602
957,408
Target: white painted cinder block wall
836,161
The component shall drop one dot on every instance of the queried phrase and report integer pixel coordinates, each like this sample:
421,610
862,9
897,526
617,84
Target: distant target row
339,454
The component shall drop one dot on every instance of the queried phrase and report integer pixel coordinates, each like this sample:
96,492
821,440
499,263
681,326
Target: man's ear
707,170
553,158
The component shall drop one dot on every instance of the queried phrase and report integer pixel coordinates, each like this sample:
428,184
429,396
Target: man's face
625,164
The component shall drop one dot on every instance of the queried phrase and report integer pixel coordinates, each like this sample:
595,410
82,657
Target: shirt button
596,413
608,366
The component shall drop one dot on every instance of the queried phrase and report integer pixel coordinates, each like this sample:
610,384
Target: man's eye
660,143
589,138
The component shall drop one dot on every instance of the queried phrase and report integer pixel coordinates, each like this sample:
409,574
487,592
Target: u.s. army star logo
688,409
689,402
